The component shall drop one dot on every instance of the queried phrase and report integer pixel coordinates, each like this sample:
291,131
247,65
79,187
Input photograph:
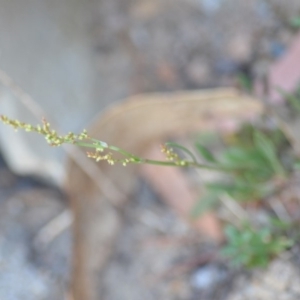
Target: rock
206,277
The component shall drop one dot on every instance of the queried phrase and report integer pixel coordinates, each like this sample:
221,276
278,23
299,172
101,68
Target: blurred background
76,58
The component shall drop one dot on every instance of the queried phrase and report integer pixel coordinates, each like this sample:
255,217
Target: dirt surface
30,269
160,257
144,46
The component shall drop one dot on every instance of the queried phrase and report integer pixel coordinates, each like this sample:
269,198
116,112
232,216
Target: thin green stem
182,163
138,160
125,153
87,145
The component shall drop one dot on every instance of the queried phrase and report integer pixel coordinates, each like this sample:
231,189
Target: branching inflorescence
101,151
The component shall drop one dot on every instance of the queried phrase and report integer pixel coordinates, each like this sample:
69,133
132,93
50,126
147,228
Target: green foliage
268,149
253,248
252,162
295,22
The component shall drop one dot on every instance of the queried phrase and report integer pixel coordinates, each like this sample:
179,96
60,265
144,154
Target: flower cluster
109,158
169,153
172,156
51,136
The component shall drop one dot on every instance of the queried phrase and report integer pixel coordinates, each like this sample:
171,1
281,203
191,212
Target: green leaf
205,153
268,149
248,159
